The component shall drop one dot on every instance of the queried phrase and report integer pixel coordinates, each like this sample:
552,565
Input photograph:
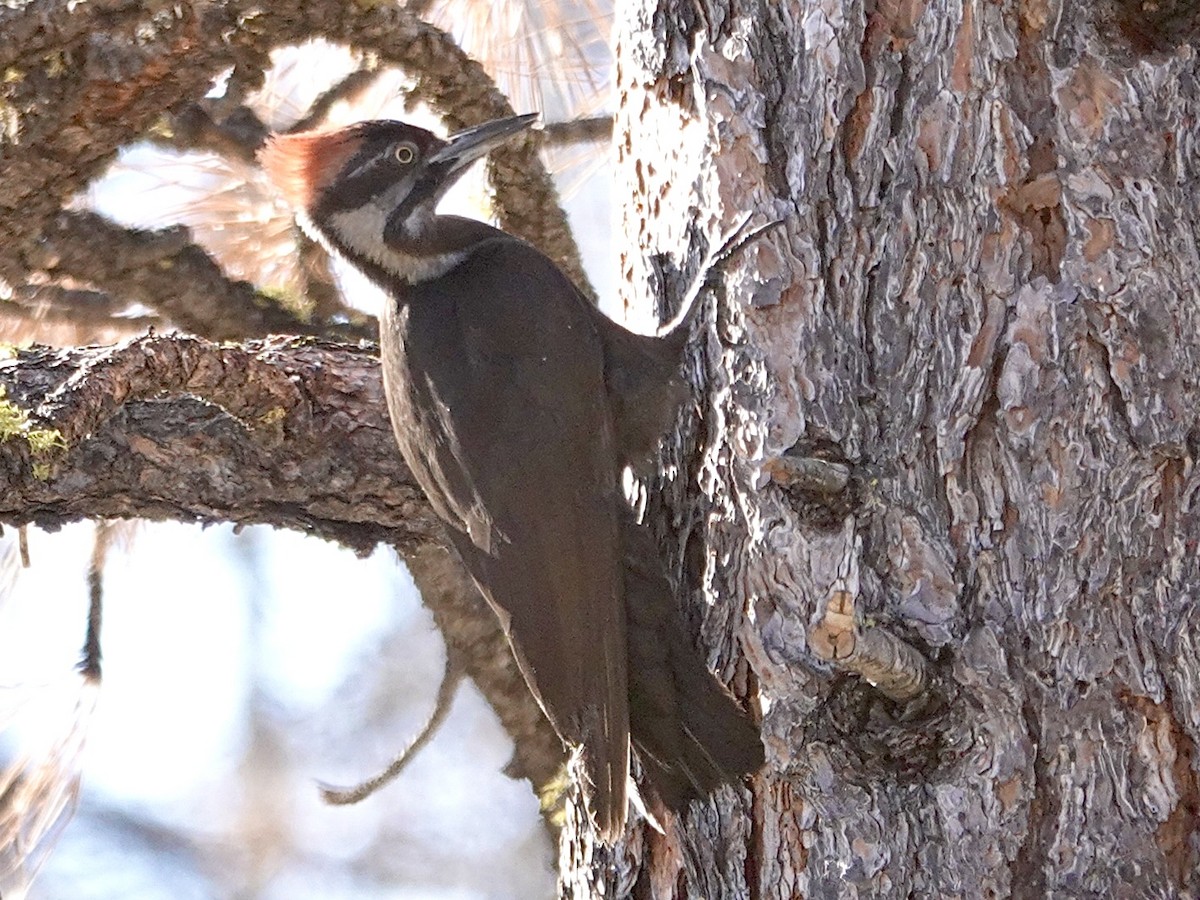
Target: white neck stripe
361,231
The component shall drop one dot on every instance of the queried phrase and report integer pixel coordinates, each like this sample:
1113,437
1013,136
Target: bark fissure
978,195
1029,866
980,309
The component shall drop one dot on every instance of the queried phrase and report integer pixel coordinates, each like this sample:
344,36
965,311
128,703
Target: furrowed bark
982,309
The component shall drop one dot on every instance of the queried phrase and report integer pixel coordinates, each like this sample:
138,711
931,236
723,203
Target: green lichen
43,440
273,416
552,797
13,419
56,63
162,128
10,124
271,292
288,299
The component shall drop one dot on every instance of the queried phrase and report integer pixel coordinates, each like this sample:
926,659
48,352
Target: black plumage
516,404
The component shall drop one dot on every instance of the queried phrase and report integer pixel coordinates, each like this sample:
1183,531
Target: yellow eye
405,153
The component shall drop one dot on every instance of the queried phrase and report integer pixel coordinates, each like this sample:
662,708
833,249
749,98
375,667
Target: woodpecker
517,404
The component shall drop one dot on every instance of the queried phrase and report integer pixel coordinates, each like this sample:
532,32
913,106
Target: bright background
241,669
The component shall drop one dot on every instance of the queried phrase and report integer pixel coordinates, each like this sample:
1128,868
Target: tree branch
303,442
82,80
54,314
119,70
592,130
167,272
348,88
478,644
893,667
287,432
194,127
443,703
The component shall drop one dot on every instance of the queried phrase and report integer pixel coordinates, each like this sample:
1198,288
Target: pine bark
980,305
934,509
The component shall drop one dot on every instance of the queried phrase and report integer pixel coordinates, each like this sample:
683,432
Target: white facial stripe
361,230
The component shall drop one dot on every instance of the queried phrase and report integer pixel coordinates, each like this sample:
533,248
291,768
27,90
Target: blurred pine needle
550,57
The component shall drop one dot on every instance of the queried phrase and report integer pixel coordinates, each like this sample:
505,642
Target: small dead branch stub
893,667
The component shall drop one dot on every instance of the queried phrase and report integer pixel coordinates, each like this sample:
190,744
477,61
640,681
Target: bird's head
370,190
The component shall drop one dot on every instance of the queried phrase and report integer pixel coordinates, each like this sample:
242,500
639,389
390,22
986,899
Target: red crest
302,165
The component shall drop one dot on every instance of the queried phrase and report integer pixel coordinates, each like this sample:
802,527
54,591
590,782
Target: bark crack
1029,867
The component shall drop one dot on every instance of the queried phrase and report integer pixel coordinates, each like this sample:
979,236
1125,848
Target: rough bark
289,433
81,80
935,512
285,432
981,303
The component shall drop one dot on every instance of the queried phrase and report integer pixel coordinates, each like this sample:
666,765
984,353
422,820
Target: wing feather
495,378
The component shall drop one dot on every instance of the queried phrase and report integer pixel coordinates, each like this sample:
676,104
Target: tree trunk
940,490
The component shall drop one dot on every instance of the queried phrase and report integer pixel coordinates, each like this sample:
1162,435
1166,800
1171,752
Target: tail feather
690,734
607,798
